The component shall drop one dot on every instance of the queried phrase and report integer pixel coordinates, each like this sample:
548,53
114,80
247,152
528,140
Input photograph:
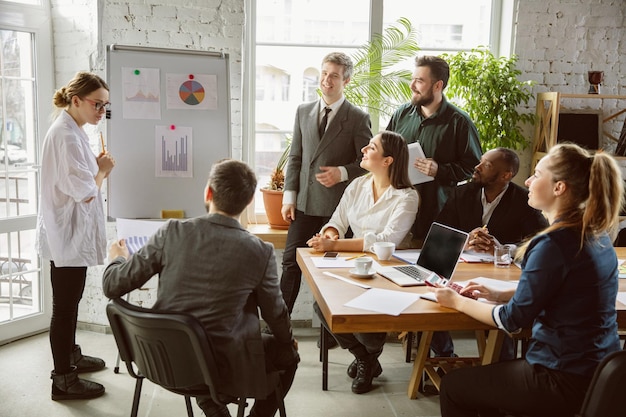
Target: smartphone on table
331,255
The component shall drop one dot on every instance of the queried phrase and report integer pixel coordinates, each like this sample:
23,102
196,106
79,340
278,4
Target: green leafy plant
376,86
489,90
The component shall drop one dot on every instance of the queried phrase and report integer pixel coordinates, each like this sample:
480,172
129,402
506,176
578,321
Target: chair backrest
607,389
170,349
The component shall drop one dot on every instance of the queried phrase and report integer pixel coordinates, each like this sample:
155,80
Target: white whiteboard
148,140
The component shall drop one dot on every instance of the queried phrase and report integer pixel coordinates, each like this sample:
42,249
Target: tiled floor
25,384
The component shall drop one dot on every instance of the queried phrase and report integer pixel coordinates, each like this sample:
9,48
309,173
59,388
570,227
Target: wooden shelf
602,96
547,123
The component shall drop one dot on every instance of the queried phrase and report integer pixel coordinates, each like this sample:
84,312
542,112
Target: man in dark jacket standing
445,132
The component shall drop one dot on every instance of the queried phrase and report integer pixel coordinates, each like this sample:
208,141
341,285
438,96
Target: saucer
370,274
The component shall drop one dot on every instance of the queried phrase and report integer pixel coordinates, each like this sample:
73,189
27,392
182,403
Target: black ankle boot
84,363
69,387
378,369
362,382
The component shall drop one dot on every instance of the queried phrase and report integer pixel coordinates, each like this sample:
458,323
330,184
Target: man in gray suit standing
214,269
325,154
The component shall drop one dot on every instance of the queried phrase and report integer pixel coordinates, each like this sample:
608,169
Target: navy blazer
512,221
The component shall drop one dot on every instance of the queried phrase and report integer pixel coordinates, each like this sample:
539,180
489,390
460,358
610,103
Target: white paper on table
621,270
492,283
430,296
383,301
476,257
621,297
489,282
338,262
416,177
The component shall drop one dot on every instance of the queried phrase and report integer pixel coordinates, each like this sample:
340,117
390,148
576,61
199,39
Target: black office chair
606,391
171,350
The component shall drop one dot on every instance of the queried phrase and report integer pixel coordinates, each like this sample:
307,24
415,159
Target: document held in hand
416,177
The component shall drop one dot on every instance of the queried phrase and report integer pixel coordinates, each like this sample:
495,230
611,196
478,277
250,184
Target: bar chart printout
174,151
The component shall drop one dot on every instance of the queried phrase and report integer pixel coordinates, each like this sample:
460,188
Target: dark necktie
324,121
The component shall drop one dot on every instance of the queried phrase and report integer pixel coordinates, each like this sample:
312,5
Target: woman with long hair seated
379,207
566,294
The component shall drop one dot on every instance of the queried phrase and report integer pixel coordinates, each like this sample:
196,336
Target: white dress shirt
387,220
488,208
70,231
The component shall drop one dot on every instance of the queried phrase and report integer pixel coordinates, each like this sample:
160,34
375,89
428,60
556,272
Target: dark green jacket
451,139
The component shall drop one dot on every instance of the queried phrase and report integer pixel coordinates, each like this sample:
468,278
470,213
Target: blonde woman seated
566,294
378,207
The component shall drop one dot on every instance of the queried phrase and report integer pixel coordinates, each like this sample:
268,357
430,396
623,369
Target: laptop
439,256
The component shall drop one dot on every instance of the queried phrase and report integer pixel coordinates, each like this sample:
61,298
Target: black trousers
512,386
276,359
361,345
300,230
68,284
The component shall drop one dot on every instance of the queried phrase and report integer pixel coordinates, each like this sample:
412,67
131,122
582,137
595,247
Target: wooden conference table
425,316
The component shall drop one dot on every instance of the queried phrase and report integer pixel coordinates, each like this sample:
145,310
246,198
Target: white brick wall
563,39
557,42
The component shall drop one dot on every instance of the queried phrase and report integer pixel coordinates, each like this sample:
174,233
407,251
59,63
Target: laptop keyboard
411,271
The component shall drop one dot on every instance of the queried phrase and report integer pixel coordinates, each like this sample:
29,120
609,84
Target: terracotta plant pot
273,201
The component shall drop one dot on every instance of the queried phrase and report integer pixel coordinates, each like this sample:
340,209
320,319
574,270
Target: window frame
501,44
35,19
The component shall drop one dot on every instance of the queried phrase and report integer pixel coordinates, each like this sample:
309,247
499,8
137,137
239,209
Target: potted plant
488,89
273,192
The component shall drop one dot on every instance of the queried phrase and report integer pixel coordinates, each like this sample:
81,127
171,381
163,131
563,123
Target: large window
290,38
24,54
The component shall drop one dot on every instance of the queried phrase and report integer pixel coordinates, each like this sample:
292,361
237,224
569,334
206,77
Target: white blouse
70,231
387,220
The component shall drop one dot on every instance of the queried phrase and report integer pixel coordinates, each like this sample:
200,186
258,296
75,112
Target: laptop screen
442,248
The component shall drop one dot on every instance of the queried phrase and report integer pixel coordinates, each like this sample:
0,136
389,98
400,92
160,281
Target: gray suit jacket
214,269
347,133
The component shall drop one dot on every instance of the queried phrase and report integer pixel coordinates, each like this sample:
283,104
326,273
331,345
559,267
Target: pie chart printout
191,92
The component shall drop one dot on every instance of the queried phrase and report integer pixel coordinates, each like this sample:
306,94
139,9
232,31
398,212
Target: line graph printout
141,96
173,152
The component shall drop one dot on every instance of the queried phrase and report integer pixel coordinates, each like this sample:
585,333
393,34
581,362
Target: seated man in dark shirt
494,211
492,200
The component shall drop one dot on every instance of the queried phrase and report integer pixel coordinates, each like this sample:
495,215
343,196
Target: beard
483,181
422,100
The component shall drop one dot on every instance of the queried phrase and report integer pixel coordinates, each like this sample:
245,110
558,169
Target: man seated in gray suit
214,269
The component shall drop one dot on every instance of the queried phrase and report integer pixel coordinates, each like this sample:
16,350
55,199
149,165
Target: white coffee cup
383,250
363,265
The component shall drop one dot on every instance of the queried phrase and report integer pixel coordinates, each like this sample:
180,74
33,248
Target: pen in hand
102,142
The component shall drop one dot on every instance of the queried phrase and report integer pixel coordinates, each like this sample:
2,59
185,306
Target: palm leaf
375,85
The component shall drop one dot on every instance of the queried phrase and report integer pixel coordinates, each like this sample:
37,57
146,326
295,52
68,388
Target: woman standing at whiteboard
70,224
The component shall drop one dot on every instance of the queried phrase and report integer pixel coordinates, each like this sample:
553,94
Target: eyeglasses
99,106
